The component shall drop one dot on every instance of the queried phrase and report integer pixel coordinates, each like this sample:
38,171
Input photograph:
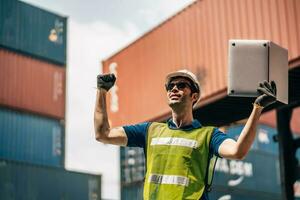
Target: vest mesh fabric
177,162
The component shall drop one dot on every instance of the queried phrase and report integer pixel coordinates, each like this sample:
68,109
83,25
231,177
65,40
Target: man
178,153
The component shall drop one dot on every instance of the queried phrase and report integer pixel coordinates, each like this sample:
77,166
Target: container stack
255,177
32,106
132,172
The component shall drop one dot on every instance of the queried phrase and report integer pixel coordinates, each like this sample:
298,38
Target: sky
96,30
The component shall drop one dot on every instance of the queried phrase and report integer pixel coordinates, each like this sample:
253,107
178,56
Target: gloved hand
268,94
106,81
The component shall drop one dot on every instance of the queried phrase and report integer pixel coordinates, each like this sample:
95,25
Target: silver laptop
252,61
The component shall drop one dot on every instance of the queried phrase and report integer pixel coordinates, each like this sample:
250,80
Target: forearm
101,124
248,133
232,149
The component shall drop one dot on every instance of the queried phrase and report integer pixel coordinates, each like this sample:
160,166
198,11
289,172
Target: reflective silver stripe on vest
174,141
169,179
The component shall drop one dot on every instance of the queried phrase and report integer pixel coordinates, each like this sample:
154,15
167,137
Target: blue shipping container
30,138
225,193
132,165
258,172
132,192
135,192
264,138
31,30
33,182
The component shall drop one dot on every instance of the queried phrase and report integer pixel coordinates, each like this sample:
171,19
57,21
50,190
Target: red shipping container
196,38
32,85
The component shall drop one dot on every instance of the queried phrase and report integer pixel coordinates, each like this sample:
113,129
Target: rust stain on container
196,38
32,85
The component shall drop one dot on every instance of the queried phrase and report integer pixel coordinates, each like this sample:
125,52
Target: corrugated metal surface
263,140
132,192
295,121
258,172
196,38
225,193
32,85
135,192
33,31
132,170
29,182
270,119
132,165
30,138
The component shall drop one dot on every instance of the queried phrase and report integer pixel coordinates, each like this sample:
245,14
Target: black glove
268,94
106,81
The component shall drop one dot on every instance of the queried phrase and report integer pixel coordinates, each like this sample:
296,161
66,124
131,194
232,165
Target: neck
182,118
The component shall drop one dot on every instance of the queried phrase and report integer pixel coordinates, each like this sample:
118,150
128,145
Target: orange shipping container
196,38
32,85
269,118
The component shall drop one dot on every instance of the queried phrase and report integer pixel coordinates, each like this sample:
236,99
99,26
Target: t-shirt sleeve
217,138
136,134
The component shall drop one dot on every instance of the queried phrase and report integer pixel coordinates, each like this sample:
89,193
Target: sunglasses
179,86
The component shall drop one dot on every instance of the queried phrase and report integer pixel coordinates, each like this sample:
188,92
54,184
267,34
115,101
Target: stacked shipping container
28,182
33,31
31,138
255,177
132,172
32,107
32,85
32,79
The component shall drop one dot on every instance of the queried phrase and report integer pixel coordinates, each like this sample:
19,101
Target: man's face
179,92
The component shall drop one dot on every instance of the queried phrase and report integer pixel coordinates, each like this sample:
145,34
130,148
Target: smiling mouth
174,96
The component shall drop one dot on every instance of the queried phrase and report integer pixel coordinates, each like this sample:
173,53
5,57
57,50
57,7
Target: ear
195,97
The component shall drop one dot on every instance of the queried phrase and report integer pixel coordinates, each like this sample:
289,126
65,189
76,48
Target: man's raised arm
103,132
238,149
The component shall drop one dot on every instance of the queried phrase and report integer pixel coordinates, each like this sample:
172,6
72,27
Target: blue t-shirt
137,137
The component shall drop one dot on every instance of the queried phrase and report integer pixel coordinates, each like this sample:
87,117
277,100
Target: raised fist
106,81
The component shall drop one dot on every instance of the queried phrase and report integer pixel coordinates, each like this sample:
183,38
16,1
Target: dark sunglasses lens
181,85
170,86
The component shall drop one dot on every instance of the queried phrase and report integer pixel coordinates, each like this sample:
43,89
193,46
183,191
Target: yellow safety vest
177,163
